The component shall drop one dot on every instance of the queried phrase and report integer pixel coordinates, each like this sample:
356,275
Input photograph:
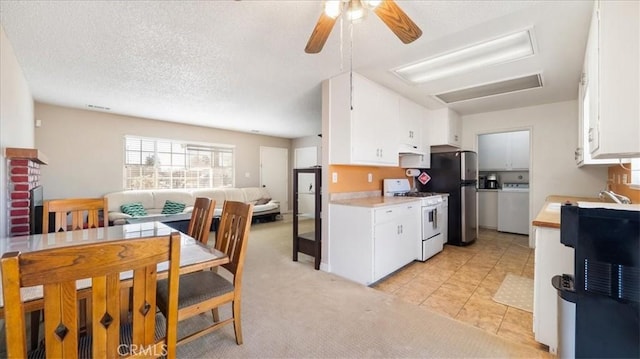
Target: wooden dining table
194,256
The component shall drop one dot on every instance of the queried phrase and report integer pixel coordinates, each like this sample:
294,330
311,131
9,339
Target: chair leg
237,326
216,315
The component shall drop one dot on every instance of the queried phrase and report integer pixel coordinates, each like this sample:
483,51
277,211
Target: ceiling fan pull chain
341,43
351,64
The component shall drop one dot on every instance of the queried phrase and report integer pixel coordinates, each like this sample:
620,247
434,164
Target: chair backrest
81,209
233,234
201,217
58,269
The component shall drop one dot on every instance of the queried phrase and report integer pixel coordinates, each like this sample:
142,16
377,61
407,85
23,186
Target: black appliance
491,184
456,173
607,280
482,182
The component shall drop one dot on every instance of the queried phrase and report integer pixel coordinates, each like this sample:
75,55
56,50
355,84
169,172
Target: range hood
406,149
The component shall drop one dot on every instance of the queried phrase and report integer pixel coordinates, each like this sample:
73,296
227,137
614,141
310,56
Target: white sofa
153,201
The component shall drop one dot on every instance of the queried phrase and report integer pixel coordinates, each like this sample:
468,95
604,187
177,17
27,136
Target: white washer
513,208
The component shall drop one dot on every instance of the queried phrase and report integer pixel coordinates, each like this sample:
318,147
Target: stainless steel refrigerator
456,173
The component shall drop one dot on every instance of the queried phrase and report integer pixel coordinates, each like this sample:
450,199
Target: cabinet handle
401,228
455,137
591,134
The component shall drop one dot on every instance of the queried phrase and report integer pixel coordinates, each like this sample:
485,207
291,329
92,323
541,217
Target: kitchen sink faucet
617,198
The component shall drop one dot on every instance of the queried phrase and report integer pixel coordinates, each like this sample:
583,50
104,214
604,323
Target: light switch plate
334,177
370,177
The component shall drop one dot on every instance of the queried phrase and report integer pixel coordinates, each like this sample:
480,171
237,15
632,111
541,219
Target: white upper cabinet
412,121
506,151
613,80
361,119
411,117
582,155
443,127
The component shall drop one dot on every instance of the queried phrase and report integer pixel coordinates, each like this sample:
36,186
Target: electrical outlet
370,177
334,177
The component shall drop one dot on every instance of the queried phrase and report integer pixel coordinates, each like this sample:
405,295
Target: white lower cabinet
488,209
445,219
551,258
366,244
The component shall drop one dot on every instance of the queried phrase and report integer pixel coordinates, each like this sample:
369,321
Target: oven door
431,228
431,221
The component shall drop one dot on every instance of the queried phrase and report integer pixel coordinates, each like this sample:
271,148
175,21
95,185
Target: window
156,163
635,173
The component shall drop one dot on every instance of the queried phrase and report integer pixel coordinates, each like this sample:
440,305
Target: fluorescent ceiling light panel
496,88
504,49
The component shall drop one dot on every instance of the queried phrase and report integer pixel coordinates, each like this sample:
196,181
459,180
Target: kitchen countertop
487,190
549,215
378,201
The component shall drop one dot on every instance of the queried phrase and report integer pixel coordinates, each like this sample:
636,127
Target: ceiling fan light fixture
371,4
500,50
356,10
333,8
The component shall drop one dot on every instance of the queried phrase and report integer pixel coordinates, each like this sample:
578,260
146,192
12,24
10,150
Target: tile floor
460,282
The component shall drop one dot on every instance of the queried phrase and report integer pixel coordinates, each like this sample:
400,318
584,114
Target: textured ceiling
240,65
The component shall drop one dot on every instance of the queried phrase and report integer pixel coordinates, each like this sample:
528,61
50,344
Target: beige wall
554,131
16,116
85,148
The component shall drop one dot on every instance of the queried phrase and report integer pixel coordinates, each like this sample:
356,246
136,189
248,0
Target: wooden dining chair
58,269
201,217
85,213
205,291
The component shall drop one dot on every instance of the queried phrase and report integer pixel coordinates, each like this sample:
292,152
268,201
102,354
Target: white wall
16,116
85,148
554,138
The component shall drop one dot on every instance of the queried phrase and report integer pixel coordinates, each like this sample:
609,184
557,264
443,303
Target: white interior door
306,157
274,167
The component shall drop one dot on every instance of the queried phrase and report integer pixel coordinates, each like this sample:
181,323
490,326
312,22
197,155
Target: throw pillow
263,201
133,209
171,207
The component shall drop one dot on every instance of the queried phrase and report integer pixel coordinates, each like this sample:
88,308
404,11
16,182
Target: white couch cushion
180,196
234,194
252,194
117,199
216,194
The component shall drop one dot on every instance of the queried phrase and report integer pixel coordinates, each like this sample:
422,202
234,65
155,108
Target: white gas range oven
432,215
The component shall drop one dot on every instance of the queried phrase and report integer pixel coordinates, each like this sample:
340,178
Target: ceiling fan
387,10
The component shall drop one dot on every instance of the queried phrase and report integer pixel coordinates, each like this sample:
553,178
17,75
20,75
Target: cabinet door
455,129
592,87
410,233
374,117
488,209
445,219
614,132
519,150
411,115
385,248
492,151
442,127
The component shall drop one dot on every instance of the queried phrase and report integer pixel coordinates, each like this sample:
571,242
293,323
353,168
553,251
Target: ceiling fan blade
396,19
320,34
